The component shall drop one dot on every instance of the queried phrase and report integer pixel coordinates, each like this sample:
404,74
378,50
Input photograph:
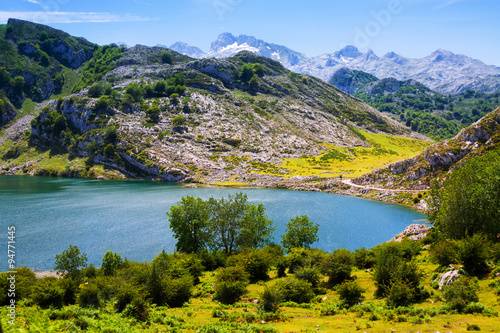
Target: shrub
392,268
473,253
179,120
125,297
350,293
474,307
212,260
400,294
89,296
363,258
269,300
102,104
48,293
460,293
473,327
177,290
329,309
294,290
231,284
109,150
25,279
153,113
254,262
166,57
90,271
444,253
70,288
309,274
338,266
96,90
138,309
188,263
281,268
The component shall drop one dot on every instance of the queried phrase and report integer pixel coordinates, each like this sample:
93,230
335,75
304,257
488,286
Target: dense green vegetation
212,289
468,203
427,112
102,62
39,55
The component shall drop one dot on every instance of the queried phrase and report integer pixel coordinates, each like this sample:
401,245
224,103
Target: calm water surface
129,217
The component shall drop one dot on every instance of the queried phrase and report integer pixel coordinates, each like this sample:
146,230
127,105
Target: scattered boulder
414,232
448,277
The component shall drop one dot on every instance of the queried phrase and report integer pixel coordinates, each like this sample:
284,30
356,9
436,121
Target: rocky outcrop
7,112
414,232
70,51
447,278
440,157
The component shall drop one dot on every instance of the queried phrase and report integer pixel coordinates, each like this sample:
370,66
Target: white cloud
71,17
33,1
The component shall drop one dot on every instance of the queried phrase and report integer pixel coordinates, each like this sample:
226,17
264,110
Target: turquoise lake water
129,217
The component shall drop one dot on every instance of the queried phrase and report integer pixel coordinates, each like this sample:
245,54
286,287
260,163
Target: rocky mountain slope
156,114
186,49
418,107
439,159
39,55
350,81
442,71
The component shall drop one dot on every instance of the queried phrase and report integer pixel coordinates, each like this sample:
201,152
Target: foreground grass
372,316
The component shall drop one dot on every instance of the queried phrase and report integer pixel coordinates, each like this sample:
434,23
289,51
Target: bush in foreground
231,284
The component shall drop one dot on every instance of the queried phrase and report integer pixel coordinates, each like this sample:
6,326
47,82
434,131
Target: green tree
300,232
18,85
153,113
110,262
254,82
256,228
102,104
230,284
166,57
44,59
189,223
226,221
179,120
5,78
68,263
468,202
109,150
135,90
95,90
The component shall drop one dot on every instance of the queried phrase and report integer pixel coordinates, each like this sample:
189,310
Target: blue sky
412,28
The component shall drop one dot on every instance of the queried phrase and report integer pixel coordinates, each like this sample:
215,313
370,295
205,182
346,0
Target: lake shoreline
305,183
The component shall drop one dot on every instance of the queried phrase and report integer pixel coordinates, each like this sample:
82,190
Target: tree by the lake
300,232
68,263
220,224
189,222
257,229
110,262
468,202
226,221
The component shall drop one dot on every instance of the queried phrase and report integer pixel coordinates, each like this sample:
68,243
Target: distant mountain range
442,71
